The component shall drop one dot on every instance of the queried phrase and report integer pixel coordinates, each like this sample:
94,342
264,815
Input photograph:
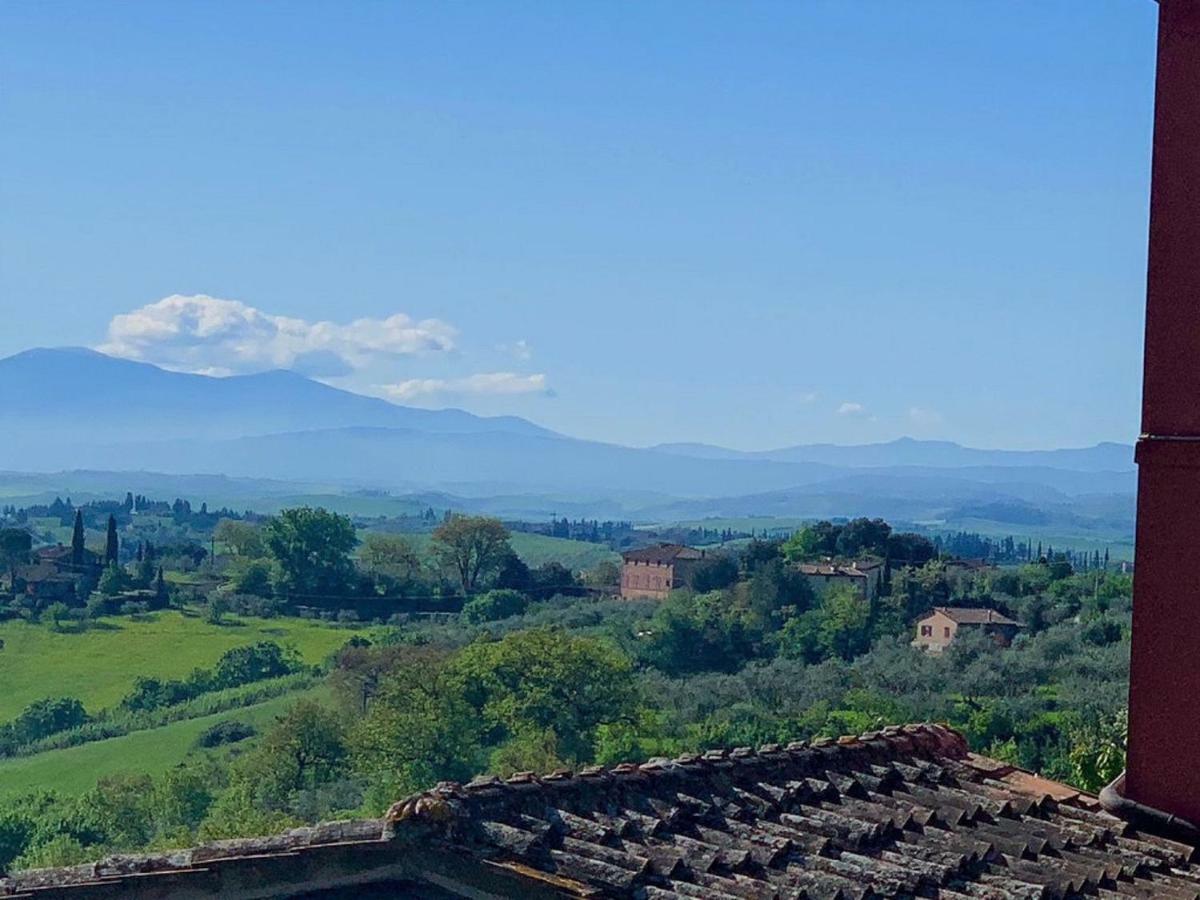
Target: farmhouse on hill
937,630
43,582
864,576
653,572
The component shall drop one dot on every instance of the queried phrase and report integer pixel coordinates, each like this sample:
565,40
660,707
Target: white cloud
481,384
922,416
518,349
852,409
809,397
224,337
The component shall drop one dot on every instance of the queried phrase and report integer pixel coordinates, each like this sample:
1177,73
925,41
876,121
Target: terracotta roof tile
902,812
662,554
967,615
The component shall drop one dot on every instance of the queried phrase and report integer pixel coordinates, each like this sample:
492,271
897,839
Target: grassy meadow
75,769
98,665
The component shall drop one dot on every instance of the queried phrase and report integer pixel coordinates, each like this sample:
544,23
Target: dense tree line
522,680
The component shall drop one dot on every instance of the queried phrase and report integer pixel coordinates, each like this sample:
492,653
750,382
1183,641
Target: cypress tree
77,540
110,542
160,586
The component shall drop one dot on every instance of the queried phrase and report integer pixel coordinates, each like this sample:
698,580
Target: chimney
1163,765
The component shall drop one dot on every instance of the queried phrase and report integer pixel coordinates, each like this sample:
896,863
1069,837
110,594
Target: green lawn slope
76,769
98,665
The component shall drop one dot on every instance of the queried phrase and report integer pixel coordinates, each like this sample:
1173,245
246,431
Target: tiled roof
40,573
965,615
662,554
906,812
855,570
58,551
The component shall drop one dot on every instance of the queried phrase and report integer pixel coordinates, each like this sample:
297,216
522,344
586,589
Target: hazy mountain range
74,409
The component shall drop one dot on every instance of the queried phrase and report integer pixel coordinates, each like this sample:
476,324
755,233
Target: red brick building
654,572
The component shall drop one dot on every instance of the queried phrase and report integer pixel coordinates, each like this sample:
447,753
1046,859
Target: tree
312,548
418,730
512,573
46,717
863,536
545,678
494,605
15,547
845,622
471,546
255,662
77,548
698,632
906,548
111,542
552,578
57,613
216,609
112,580
390,559
712,574
812,541
240,538
307,748
253,577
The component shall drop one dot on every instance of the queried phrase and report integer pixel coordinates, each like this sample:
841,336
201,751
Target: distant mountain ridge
78,393
1103,457
70,410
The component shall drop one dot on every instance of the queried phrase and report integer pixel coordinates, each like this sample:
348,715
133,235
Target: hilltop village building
864,576
937,630
653,572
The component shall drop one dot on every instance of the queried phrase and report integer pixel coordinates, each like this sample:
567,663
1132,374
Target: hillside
99,666
1104,457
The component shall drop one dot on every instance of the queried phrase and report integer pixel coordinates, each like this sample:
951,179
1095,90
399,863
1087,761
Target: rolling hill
69,410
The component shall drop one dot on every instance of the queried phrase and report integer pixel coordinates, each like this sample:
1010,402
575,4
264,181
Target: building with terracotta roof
864,576
936,631
653,572
905,812
42,582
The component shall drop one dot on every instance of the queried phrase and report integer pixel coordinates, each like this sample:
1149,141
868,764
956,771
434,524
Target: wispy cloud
851,409
481,384
223,337
808,397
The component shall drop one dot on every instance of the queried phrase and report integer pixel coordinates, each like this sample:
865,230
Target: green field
98,666
76,769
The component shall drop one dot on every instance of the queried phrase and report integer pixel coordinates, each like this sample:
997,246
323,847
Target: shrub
260,607
498,604
40,719
254,578
216,609
56,614
229,732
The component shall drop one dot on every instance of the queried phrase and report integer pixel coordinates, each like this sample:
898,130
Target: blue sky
752,224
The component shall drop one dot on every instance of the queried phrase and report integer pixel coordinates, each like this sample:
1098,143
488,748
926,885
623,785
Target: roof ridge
449,799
